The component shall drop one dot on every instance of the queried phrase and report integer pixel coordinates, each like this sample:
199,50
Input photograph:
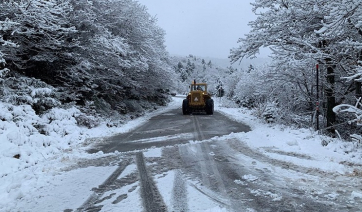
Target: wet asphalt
170,129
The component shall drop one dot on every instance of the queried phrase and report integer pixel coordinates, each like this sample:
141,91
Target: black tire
209,107
185,107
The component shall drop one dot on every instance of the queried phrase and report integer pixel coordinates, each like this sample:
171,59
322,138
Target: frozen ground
43,178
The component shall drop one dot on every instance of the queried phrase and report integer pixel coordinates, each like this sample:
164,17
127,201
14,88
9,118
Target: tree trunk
358,84
331,99
358,89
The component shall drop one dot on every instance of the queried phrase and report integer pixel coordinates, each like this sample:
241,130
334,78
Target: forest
304,34
105,57
108,59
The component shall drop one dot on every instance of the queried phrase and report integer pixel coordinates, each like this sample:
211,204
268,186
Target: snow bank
35,146
302,147
29,141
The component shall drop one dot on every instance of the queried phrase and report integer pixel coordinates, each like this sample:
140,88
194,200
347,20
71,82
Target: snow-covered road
212,163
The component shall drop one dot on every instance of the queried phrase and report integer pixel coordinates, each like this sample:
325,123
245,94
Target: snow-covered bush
87,121
23,116
3,72
27,138
29,91
19,137
251,88
354,113
268,111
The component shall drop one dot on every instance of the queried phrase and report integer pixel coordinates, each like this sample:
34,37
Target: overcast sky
207,28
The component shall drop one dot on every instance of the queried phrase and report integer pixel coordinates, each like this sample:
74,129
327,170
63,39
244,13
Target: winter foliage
192,68
302,34
67,66
100,55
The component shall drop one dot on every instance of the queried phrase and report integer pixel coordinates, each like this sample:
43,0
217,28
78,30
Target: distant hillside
225,62
191,67
244,63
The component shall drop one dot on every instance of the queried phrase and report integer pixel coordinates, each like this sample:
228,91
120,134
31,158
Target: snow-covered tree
104,54
192,68
343,25
42,33
126,37
292,29
344,22
7,26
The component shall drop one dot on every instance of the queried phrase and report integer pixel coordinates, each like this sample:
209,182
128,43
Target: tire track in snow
88,205
151,197
202,164
209,160
179,194
300,194
210,173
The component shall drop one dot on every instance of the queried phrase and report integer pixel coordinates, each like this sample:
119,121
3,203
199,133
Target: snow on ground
61,188
195,201
274,139
133,202
32,164
28,159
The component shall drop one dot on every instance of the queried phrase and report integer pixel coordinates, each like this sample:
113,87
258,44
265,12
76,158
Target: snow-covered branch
355,110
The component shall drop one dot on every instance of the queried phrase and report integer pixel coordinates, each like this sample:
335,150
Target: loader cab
198,87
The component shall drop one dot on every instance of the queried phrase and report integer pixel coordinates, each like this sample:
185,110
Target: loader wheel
185,107
209,107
